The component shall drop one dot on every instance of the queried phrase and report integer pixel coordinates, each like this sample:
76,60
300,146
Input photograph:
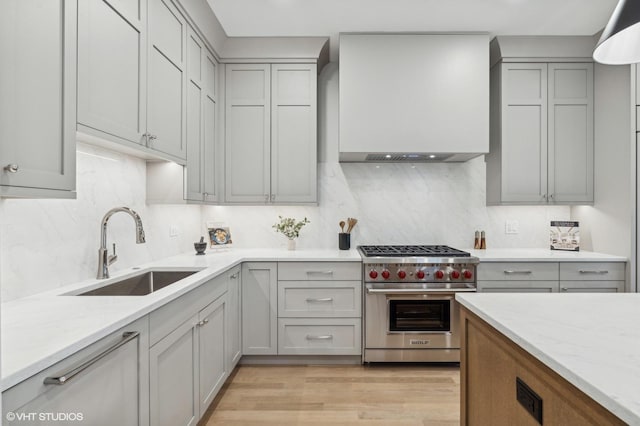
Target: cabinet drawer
592,271
328,336
316,271
517,286
164,320
319,298
592,286
517,271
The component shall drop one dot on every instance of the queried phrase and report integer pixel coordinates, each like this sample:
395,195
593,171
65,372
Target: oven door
406,319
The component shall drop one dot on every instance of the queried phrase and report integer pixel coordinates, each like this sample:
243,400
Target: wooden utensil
341,226
352,222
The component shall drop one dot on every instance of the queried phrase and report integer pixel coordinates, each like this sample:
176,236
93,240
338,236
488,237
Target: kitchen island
550,359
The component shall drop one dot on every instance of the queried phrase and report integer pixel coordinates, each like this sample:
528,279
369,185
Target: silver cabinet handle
509,272
323,337
419,291
551,197
322,299
203,322
544,196
273,197
153,137
600,271
319,272
63,378
234,276
12,168
564,289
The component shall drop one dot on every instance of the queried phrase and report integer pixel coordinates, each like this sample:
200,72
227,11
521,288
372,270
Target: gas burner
412,251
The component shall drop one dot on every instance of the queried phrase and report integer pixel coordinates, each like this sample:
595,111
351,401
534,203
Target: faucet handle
113,257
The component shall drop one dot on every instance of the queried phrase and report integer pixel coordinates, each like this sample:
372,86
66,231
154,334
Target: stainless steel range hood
414,97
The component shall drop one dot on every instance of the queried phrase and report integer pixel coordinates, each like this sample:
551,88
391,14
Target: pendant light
620,40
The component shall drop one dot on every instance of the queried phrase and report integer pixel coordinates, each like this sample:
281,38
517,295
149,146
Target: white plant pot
291,244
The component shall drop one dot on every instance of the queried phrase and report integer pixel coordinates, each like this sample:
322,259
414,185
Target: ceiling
330,17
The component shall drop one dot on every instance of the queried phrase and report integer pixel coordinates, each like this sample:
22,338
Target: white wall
606,226
45,244
395,203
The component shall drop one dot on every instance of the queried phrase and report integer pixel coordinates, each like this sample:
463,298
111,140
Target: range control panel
420,272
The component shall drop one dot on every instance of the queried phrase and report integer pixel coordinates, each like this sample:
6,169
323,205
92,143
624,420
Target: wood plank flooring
338,395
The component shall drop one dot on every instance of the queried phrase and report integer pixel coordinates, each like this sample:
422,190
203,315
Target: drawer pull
319,272
234,276
600,271
321,299
323,337
564,289
203,322
65,377
509,272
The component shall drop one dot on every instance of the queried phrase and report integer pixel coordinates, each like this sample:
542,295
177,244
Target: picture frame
219,235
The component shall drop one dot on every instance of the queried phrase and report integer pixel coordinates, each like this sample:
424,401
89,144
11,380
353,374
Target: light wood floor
338,395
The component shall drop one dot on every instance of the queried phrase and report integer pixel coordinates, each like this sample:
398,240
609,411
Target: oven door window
419,315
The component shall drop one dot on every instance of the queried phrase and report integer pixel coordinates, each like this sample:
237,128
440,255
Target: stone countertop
591,340
541,255
40,330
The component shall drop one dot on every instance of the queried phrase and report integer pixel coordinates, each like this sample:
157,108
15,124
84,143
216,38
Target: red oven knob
373,274
455,275
439,275
420,274
467,275
385,274
402,274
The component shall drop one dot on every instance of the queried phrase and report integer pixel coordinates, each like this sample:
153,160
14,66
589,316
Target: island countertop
591,340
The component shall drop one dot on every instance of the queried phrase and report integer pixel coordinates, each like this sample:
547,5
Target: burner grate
412,250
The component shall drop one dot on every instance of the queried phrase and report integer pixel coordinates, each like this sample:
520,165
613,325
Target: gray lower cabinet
319,308
188,354
551,277
112,389
260,308
38,101
541,134
234,322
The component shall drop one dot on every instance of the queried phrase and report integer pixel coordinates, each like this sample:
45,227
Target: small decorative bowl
200,247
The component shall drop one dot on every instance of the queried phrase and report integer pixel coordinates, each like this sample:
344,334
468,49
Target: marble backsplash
441,203
45,244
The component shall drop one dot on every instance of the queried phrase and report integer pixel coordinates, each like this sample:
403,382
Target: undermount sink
140,285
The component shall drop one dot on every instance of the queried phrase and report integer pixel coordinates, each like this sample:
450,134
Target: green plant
290,227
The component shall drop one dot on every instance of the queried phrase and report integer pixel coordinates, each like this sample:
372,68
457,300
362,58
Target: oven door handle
419,291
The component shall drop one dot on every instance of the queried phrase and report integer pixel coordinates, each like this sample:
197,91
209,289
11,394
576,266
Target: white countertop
40,330
591,340
542,255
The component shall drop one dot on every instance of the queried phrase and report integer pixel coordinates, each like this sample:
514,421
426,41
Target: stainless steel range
410,312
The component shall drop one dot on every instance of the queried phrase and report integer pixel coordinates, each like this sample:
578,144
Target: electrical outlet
173,231
511,227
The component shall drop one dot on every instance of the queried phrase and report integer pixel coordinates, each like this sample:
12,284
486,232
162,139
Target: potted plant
290,227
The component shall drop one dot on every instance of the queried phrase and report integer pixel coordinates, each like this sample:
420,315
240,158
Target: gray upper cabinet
248,127
271,126
112,68
38,85
166,112
541,134
132,80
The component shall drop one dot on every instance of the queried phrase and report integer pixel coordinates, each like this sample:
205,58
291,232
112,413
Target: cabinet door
105,393
166,112
38,97
247,142
524,133
112,67
173,369
293,133
259,309
212,345
234,325
210,126
570,138
195,123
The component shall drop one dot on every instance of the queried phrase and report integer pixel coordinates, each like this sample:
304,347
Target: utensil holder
344,241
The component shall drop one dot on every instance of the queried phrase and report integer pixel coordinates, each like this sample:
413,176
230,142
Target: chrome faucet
104,259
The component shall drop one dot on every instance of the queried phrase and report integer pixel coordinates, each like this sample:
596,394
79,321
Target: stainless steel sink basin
140,285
